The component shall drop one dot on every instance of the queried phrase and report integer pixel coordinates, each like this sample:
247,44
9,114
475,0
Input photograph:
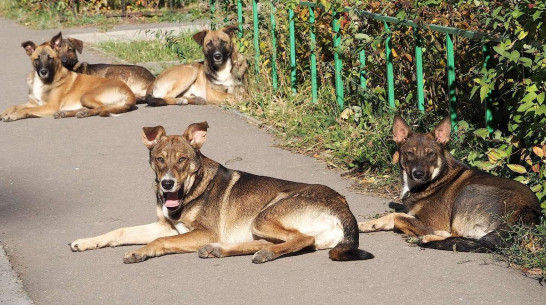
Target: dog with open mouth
206,208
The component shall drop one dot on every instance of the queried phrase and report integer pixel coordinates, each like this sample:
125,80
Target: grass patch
526,250
57,16
166,47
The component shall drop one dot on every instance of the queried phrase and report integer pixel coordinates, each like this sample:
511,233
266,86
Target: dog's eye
160,159
181,159
430,153
223,43
209,44
409,153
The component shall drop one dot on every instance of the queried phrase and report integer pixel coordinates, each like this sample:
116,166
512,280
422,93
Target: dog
56,91
135,77
218,79
203,206
450,205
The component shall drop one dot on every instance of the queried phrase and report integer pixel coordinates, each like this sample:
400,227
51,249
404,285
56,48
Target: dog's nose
217,56
167,184
418,174
43,72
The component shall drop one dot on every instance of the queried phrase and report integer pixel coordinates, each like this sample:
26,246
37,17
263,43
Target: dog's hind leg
106,100
125,236
227,249
168,86
291,240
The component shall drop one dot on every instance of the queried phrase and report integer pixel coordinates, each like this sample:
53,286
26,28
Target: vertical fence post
488,99
337,60
390,72
240,17
256,35
362,60
273,48
292,50
451,81
313,56
419,71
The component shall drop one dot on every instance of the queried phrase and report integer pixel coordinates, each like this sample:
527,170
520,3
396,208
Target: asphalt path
71,178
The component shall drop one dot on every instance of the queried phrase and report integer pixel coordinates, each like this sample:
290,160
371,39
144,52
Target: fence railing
449,32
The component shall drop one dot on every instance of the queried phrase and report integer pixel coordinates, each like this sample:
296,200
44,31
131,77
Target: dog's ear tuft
230,30
152,135
442,131
200,37
400,130
78,44
196,134
29,47
56,41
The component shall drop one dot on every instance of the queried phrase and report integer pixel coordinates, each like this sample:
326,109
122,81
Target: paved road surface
72,178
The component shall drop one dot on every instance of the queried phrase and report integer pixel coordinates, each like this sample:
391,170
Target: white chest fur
224,76
36,88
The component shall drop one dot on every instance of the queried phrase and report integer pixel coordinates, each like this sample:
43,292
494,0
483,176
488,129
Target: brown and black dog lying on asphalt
56,91
135,77
450,205
206,208
219,78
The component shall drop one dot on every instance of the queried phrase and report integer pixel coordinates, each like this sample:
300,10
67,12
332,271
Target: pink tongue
172,200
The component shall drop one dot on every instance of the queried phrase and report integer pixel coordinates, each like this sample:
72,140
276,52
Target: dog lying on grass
206,208
449,205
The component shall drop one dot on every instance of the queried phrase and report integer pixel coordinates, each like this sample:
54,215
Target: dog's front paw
59,115
199,101
367,226
82,114
181,101
10,117
84,244
263,256
134,257
211,250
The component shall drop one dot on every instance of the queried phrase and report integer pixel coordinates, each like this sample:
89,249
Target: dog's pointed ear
400,130
442,131
196,134
29,47
56,41
230,30
152,135
200,37
78,44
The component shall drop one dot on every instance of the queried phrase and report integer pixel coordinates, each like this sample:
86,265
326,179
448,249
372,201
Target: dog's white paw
83,244
367,226
181,101
442,233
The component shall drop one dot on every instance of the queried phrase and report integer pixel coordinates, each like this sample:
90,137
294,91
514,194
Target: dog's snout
217,56
43,72
167,184
418,173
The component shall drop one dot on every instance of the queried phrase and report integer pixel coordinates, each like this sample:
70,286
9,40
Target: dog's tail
347,249
488,243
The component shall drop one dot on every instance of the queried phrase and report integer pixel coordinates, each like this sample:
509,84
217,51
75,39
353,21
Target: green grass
56,17
167,48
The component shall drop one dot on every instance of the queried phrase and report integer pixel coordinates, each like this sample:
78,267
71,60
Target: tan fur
205,82
220,212
137,78
66,93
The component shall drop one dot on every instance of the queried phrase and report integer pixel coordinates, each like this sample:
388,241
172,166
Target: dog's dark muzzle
43,73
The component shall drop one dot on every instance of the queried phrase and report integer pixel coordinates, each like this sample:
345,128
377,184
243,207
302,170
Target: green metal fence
449,32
